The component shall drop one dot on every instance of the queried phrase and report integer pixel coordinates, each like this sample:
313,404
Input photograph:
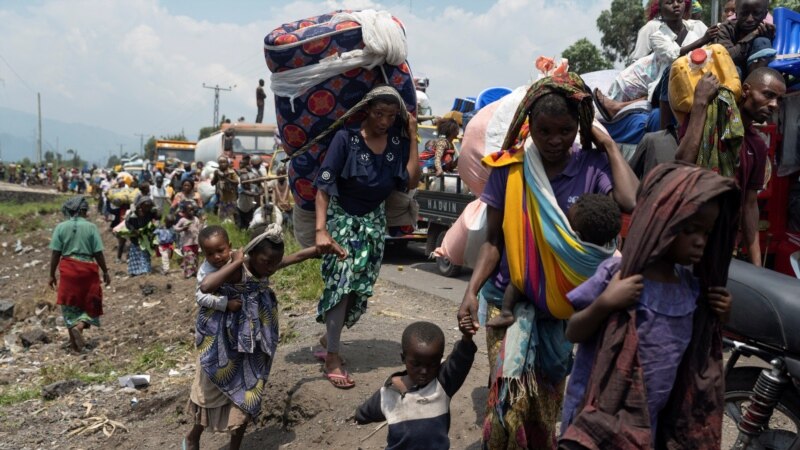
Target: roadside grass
14,395
154,357
25,217
295,285
18,210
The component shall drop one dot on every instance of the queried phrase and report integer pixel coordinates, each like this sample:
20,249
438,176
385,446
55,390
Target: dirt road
149,322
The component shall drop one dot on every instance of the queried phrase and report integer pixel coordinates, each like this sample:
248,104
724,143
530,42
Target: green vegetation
26,210
156,357
24,217
71,371
585,57
14,395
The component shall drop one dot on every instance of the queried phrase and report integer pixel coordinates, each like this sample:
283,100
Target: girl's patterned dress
237,348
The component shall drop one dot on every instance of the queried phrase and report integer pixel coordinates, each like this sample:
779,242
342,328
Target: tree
620,26
794,5
150,149
206,132
49,156
113,160
585,57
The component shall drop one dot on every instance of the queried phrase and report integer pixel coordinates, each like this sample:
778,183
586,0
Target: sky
138,66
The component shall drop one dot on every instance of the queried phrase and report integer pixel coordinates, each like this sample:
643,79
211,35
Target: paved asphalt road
410,267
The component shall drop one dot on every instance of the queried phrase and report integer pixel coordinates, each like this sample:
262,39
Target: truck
441,202
176,150
247,139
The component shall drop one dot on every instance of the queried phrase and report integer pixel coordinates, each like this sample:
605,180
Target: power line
141,142
216,89
18,75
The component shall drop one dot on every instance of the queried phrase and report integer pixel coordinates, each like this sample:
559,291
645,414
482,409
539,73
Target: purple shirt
587,172
663,324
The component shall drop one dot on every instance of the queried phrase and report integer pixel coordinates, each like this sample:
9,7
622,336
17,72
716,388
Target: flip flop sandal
600,107
344,376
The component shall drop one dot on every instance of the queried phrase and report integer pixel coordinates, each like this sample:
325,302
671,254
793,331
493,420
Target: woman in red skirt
77,253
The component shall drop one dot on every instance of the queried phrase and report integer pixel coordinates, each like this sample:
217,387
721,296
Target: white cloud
132,66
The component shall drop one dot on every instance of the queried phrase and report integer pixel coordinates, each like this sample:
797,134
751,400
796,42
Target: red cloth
753,157
79,286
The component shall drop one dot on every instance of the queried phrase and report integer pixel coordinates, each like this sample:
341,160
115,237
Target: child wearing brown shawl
648,372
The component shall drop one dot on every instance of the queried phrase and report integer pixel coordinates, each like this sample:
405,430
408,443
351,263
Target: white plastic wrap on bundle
384,42
208,170
501,119
204,186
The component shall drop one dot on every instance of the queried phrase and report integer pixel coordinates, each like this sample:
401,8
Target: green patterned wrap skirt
362,237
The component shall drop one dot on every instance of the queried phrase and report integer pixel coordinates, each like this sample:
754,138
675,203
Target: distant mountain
94,144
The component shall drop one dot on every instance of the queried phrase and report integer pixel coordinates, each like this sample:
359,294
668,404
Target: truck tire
431,240
444,265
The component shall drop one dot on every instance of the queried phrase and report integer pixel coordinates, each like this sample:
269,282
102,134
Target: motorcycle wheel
784,426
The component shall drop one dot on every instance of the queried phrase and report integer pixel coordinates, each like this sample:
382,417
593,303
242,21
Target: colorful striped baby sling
546,258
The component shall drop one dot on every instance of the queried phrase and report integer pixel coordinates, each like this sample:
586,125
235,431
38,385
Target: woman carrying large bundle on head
362,167
534,181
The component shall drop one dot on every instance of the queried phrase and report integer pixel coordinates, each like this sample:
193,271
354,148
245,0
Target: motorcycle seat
766,306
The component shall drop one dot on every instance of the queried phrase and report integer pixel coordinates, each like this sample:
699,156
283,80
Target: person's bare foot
76,335
612,107
192,440
504,320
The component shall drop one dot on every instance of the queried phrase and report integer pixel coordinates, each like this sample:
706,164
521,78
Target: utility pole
216,89
39,140
120,150
141,143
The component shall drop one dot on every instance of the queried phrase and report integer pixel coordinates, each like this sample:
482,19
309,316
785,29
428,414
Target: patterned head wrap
571,86
273,233
376,92
75,205
697,8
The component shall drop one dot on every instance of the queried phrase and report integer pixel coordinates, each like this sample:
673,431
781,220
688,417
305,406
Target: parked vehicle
169,149
248,139
441,201
762,393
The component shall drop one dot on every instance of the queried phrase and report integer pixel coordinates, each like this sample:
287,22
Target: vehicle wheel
784,425
433,234
444,265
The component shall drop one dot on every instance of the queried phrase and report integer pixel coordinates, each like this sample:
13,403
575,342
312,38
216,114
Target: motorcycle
762,394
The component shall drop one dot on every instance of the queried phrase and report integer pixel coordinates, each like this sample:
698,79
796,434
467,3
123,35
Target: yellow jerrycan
688,69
